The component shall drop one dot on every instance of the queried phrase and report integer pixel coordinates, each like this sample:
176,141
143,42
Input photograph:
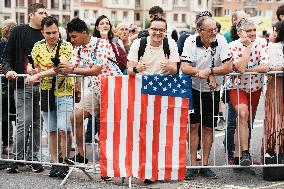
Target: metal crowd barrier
91,150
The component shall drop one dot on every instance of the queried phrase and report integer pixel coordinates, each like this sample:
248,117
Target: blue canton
167,85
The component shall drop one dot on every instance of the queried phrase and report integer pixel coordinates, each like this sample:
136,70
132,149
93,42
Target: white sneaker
220,125
199,157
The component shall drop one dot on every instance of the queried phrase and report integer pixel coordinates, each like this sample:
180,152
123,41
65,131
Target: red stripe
156,133
130,119
103,125
142,136
169,137
182,138
116,132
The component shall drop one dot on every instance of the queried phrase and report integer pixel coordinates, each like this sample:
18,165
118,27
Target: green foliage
147,24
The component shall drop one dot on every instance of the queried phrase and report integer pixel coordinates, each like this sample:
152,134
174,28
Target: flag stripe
142,136
176,135
123,126
156,134
130,119
169,137
162,137
103,125
110,127
136,123
116,133
149,136
183,138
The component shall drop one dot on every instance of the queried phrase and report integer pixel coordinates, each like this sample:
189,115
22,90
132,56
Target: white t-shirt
275,51
195,53
153,56
258,56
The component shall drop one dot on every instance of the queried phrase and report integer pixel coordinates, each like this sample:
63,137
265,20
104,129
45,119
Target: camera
55,61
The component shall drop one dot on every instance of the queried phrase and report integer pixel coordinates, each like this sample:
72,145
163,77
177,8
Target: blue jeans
27,140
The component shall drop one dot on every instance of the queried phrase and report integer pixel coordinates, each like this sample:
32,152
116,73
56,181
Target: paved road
227,178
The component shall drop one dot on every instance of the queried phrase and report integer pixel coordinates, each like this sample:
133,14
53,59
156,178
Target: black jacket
19,45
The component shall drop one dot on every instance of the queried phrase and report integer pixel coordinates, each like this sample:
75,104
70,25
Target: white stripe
176,136
136,126
162,138
110,126
149,136
123,126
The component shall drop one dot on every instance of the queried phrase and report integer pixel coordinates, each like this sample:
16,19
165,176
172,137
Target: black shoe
37,168
13,168
63,171
148,181
80,159
54,172
245,159
244,170
191,173
106,178
208,173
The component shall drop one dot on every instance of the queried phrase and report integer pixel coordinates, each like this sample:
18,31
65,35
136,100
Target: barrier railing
32,137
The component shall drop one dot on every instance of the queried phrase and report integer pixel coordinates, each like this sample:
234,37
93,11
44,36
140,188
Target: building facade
264,8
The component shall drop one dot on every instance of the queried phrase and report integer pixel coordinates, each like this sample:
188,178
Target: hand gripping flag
143,127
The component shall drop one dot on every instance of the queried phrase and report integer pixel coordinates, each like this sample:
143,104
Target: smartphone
55,61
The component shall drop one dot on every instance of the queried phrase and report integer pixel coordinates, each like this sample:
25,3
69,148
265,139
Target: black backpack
143,44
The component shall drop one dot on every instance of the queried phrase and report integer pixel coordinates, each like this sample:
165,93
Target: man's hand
65,69
204,74
11,75
212,82
30,79
141,66
30,70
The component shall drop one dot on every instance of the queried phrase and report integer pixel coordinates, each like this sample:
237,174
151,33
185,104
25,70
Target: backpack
143,44
120,56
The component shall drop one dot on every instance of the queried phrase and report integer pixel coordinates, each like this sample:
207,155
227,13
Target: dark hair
218,26
280,11
234,33
279,28
156,10
97,32
156,18
77,25
49,21
34,7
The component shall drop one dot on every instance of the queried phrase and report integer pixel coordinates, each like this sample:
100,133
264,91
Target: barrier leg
129,182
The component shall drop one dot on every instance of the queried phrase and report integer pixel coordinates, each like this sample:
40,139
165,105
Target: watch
135,70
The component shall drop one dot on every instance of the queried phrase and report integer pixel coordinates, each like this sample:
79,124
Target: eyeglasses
210,30
157,29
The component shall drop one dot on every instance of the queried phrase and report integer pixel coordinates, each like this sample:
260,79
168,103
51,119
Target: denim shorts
59,119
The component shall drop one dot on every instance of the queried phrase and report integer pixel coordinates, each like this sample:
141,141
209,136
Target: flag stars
160,83
165,79
154,88
175,80
182,91
156,78
151,83
164,88
145,77
170,85
184,82
178,85
174,90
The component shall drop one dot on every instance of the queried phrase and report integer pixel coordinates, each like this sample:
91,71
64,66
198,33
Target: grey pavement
227,178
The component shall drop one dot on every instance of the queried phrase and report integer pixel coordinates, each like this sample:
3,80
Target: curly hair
280,11
77,25
97,32
156,10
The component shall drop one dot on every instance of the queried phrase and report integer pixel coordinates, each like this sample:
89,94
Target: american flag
143,126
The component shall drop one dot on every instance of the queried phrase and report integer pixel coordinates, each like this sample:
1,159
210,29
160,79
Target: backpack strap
142,47
166,47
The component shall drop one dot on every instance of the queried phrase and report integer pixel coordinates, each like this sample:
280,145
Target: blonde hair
8,25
